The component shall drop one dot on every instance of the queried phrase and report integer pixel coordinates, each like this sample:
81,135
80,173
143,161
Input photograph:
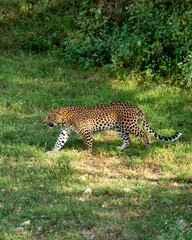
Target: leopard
121,116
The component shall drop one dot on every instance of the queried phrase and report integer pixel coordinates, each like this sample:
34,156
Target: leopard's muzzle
51,125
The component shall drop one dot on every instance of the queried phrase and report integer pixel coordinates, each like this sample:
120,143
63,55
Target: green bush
151,38
145,36
35,25
88,45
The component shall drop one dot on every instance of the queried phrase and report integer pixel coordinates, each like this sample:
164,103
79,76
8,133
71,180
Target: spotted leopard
85,120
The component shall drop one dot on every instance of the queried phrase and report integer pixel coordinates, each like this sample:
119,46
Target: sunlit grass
136,194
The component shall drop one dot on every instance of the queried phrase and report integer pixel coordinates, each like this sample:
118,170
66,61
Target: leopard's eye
48,117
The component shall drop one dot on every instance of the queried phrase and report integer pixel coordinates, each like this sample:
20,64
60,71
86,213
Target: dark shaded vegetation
148,39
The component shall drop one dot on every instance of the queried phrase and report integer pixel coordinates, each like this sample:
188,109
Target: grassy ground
136,194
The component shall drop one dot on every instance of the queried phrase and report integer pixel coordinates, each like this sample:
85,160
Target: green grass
136,194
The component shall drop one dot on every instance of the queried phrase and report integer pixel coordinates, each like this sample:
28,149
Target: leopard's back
105,116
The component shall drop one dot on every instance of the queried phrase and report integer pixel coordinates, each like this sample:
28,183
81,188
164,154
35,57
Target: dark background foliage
151,38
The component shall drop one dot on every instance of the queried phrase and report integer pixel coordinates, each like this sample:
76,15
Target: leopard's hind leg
125,138
141,133
87,138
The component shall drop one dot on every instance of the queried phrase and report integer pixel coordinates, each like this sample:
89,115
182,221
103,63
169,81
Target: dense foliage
152,39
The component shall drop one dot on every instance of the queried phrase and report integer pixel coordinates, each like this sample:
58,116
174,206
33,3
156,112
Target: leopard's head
55,117
60,116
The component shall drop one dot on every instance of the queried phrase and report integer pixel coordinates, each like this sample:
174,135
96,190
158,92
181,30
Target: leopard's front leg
87,139
62,139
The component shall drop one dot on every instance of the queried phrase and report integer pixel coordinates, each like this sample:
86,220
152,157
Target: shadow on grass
109,212
30,99
54,191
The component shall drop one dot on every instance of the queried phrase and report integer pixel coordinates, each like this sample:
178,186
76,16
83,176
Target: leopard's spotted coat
85,120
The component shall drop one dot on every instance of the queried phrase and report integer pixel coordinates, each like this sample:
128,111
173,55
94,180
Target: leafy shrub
88,45
35,25
149,36
186,66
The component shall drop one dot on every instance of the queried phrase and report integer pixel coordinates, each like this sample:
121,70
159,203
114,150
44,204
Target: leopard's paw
119,148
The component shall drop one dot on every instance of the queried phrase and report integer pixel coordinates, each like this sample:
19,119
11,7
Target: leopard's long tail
154,134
